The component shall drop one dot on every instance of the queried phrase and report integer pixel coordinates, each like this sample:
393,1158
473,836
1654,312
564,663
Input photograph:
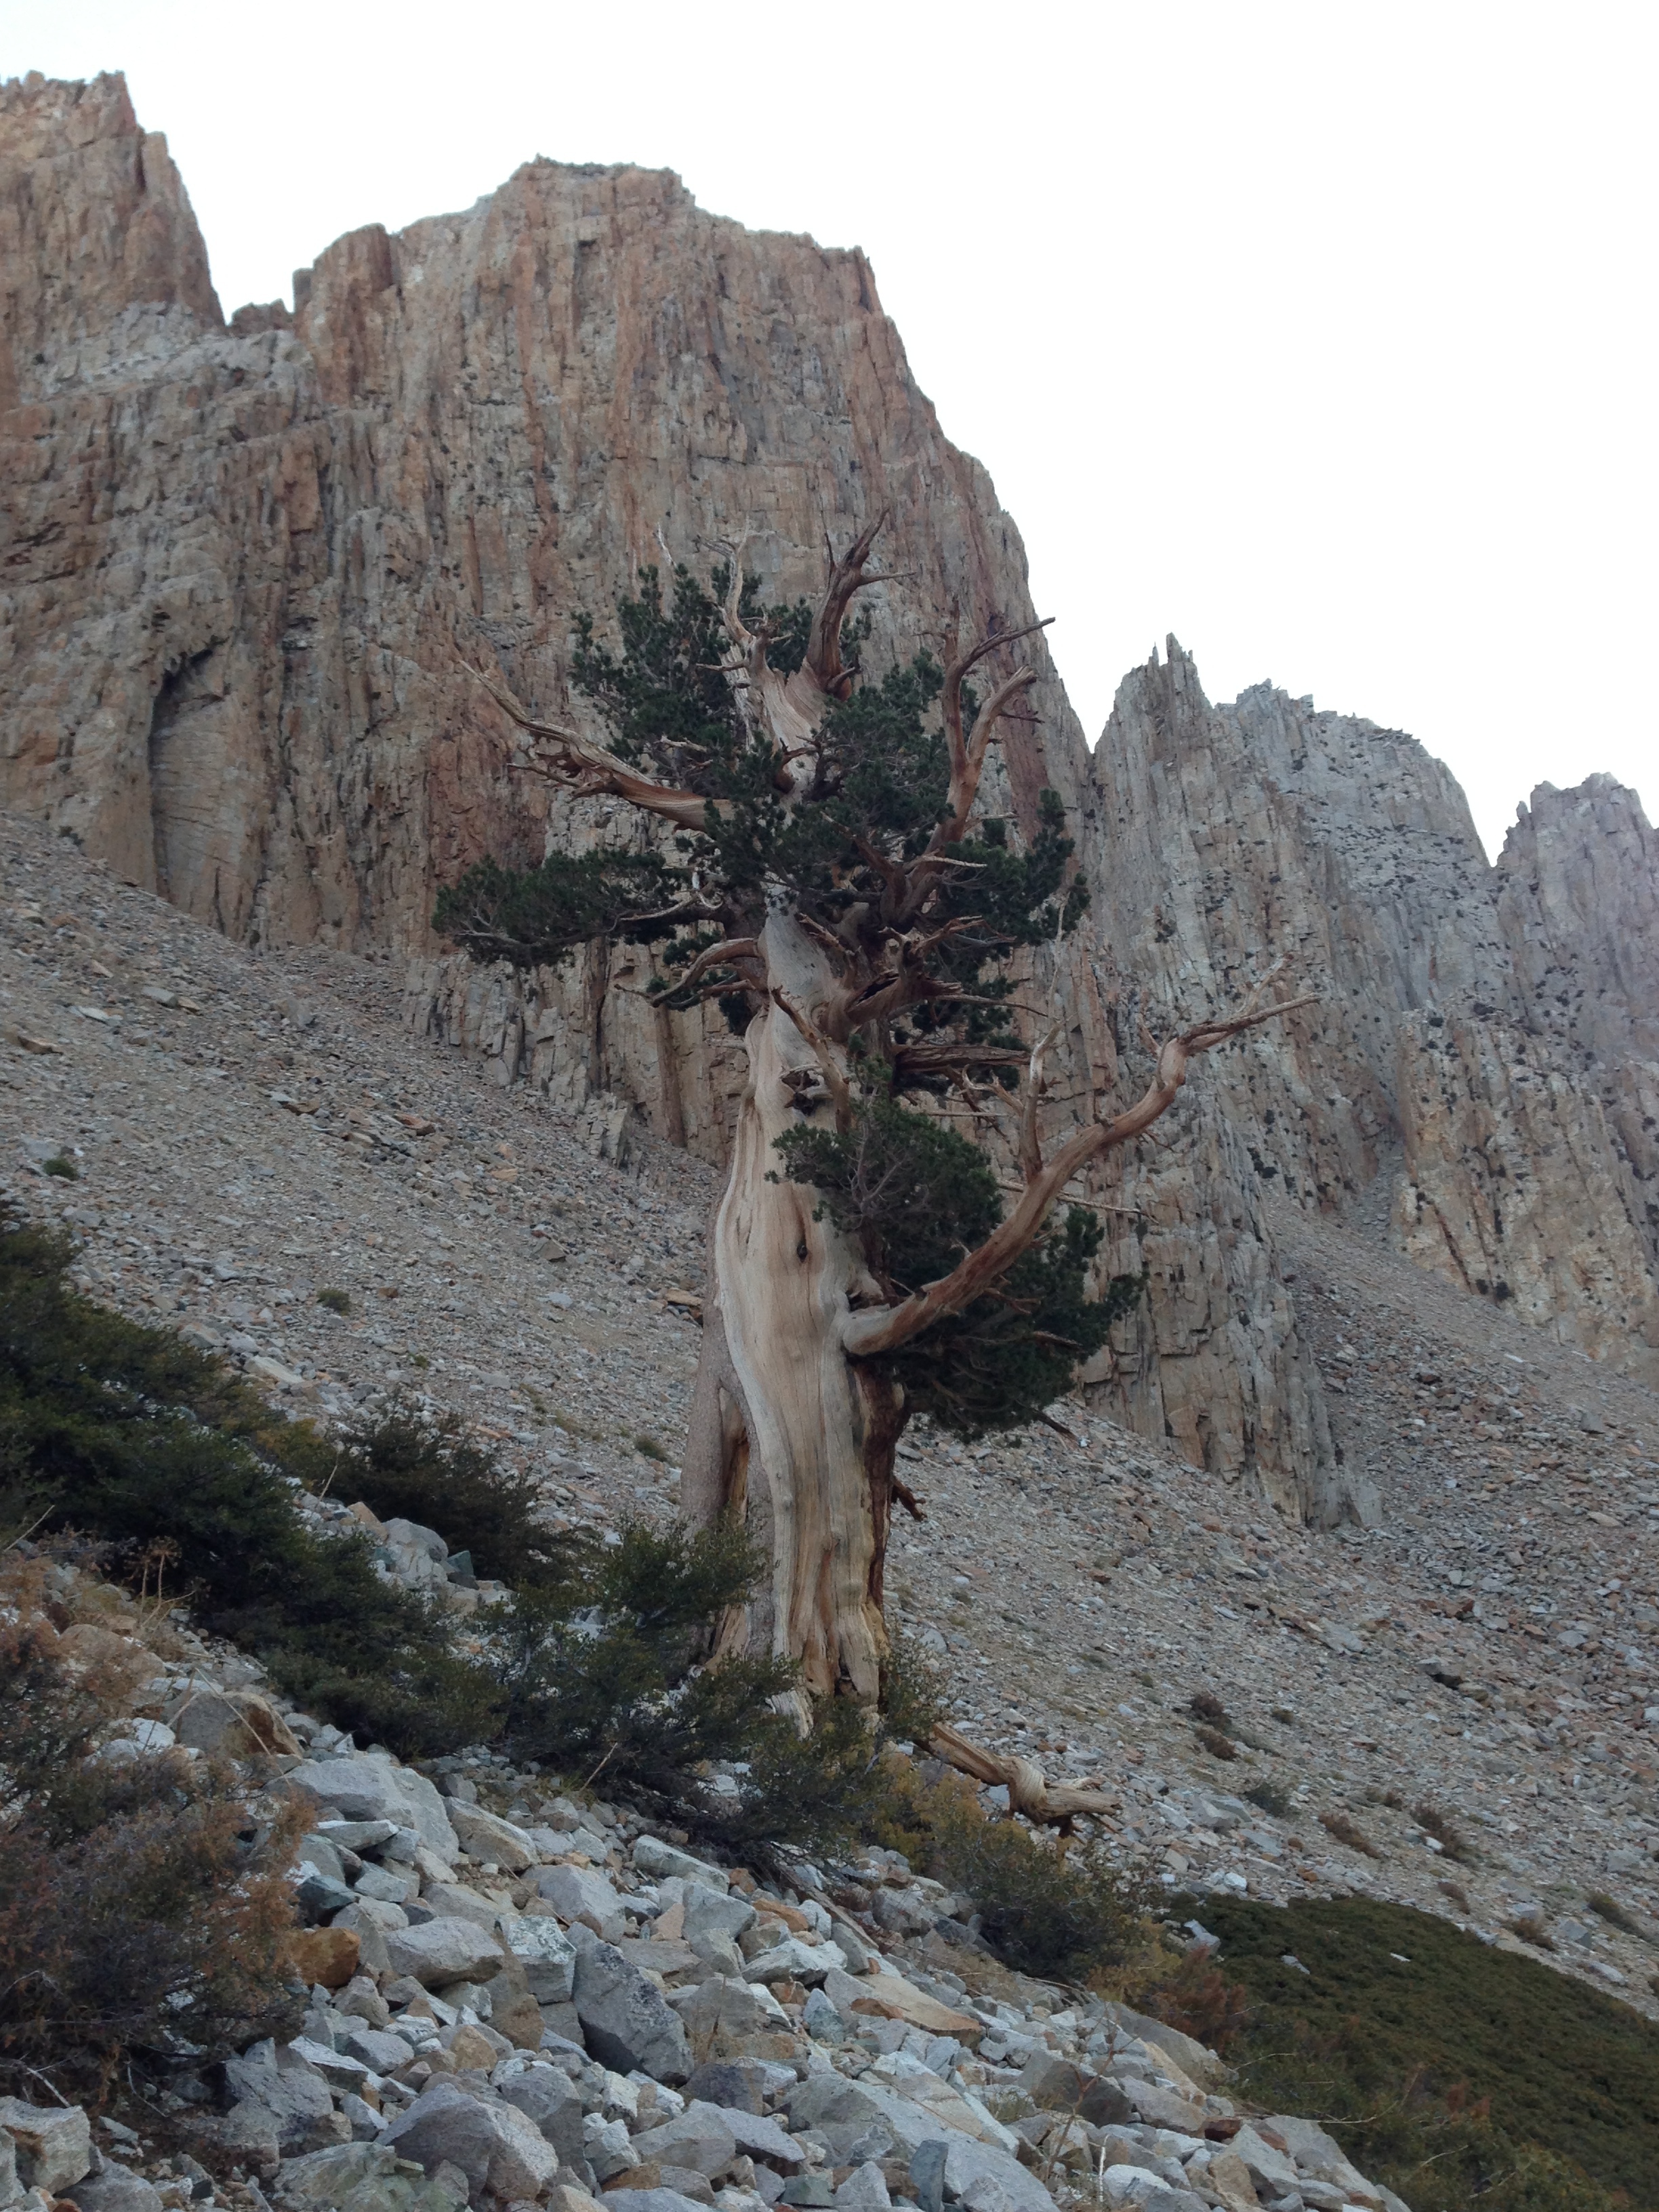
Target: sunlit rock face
1481,1072
249,562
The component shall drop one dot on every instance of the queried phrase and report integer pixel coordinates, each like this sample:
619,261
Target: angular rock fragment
51,2143
447,1949
625,2019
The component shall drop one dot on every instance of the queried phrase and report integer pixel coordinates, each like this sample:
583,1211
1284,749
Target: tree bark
786,1431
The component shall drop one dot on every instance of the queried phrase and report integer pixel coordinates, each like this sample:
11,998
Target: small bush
1349,1832
138,1903
1204,1706
1453,1843
1269,1798
130,1436
605,1674
338,1302
648,1447
62,1166
1610,1910
425,1467
1533,1927
1218,1746
1046,1908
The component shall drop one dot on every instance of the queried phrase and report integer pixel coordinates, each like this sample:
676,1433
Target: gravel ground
249,1130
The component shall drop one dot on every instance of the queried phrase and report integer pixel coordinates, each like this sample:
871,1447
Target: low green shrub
125,1433
338,1302
1056,1909
424,1467
605,1674
1610,1910
1459,2074
1269,1798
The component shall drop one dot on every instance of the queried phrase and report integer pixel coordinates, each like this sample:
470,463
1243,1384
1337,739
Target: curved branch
737,948
588,770
846,577
955,675
881,1329
1030,1792
968,754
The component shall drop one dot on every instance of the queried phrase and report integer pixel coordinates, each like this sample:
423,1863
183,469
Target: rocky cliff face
246,561
1481,1068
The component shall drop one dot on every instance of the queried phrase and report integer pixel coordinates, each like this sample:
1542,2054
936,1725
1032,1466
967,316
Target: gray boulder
793,1960
698,2137
366,1789
626,2020
714,1921
547,1956
865,2190
363,2176
445,1900
830,2101
487,1836
987,2179
447,1949
113,2189
52,2143
278,2081
582,1893
660,1861
1319,2154
1054,2085
494,2144
1273,2174
733,2084
380,2050
758,2137
546,2095
903,1911
649,2200
319,1891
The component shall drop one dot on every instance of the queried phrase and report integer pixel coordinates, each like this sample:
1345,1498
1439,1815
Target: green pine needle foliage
123,1433
542,914
917,1196
606,1677
914,1192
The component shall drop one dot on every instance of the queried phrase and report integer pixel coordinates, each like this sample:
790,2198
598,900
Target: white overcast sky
1321,335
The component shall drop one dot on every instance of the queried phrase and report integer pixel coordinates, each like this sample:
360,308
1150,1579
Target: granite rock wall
244,563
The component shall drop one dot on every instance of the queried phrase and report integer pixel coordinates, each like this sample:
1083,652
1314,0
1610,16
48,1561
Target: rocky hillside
254,1138
246,560
515,1997
520,1993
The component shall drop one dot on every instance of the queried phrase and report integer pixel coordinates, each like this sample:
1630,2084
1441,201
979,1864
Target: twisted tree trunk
786,1431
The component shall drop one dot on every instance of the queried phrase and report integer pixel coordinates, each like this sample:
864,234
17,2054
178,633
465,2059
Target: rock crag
246,561
1482,1070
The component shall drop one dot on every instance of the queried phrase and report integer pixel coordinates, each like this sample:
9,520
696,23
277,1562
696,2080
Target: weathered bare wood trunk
785,1430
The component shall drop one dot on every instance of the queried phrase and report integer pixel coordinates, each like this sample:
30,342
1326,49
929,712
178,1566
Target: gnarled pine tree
835,884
